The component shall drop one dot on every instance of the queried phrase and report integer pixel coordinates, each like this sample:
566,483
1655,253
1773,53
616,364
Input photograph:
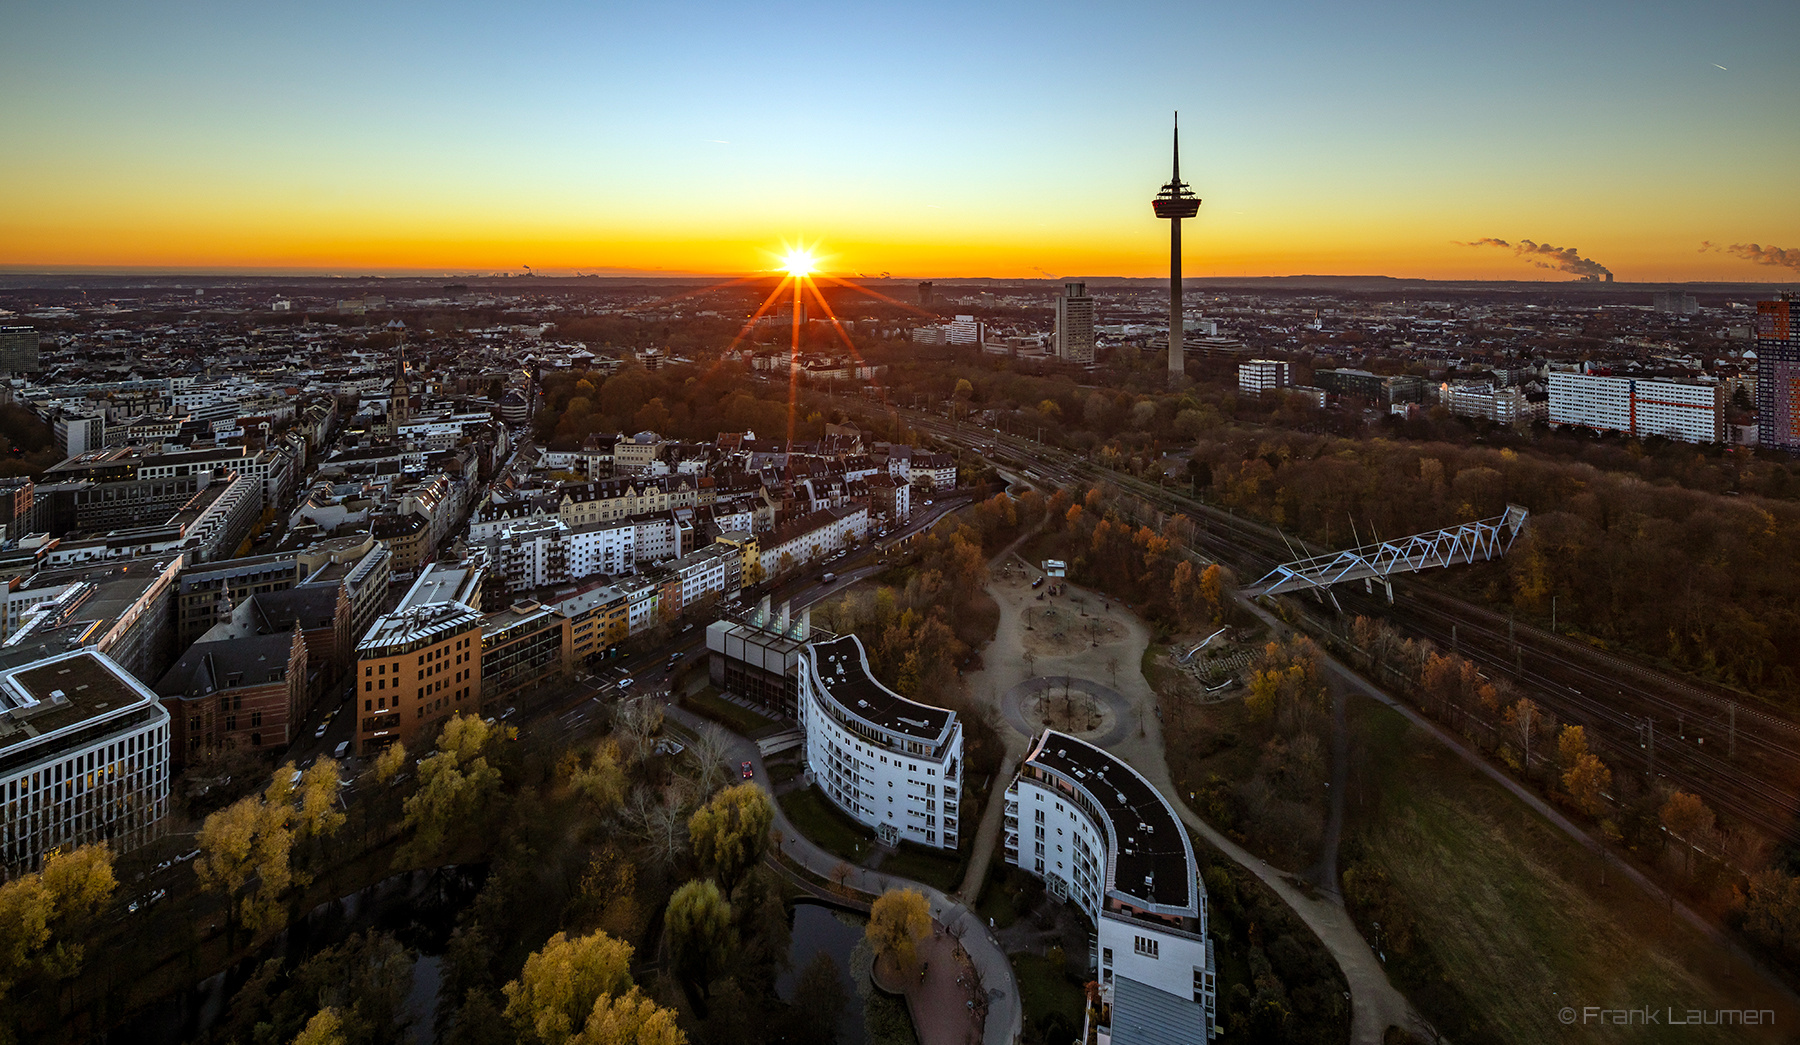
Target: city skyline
1530,142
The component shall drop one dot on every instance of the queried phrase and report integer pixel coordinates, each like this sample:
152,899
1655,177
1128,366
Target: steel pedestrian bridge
1375,563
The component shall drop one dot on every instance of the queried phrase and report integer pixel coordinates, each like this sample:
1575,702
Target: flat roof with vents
46,698
843,670
1154,862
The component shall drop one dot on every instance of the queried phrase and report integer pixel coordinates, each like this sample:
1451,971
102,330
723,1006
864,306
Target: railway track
1745,762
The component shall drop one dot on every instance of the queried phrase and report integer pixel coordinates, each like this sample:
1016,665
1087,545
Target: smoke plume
1779,257
1544,256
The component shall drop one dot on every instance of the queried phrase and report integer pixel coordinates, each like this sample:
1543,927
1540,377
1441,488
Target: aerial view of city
850,525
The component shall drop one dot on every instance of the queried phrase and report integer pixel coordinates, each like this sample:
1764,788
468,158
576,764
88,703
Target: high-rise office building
18,350
1075,325
925,295
1777,374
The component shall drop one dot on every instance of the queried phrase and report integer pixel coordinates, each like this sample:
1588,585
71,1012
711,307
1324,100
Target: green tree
602,781
319,814
730,833
819,1000
898,920
700,932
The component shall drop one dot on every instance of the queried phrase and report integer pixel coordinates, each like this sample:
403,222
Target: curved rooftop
842,671
1150,862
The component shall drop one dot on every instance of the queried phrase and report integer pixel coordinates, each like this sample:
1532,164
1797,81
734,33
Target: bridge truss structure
1376,563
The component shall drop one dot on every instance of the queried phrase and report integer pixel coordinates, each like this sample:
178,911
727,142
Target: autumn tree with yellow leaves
578,991
43,915
730,832
898,920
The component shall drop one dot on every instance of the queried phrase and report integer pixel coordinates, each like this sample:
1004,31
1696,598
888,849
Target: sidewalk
1005,1014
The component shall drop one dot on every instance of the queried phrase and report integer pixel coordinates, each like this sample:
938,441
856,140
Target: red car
748,771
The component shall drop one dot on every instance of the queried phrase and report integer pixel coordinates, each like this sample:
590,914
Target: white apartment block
656,537
1257,376
84,757
1641,407
814,537
532,555
603,547
963,330
1100,834
716,569
1508,406
888,762
643,602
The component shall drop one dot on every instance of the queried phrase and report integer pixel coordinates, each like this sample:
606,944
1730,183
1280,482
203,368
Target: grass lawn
933,867
738,719
1511,921
1007,893
813,815
1048,996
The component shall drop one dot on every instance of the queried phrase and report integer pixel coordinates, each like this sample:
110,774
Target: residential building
749,558
1643,407
358,564
1778,374
408,537
813,537
1075,325
77,434
1256,376
964,330
599,619
523,646
417,667
1098,833
84,757
890,763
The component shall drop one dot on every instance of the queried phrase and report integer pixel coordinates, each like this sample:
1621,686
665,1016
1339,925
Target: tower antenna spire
1172,204
1177,175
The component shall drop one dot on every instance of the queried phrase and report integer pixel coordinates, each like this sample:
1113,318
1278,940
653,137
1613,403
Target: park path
1005,1013
1375,1003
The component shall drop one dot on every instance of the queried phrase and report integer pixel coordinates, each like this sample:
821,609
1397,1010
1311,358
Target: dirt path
1114,655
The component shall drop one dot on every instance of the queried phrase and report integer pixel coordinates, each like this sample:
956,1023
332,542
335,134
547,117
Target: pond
869,1017
419,908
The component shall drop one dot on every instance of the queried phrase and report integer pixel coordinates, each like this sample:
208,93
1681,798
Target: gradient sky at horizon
929,139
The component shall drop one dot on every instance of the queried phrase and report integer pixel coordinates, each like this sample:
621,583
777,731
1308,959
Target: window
1106,956
256,718
1145,945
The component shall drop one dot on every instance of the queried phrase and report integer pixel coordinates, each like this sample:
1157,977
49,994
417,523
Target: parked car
341,750
319,734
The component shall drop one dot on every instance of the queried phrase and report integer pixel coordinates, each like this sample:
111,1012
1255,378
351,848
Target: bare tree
661,819
711,750
840,874
638,721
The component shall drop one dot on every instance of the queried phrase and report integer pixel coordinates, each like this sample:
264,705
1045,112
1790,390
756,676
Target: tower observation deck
1172,204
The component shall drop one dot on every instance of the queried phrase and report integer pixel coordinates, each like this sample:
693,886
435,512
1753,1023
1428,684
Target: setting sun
799,262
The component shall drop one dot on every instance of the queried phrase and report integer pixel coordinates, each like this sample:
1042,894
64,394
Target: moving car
828,578
748,770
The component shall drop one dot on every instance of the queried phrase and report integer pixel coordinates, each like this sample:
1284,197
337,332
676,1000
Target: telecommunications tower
1173,203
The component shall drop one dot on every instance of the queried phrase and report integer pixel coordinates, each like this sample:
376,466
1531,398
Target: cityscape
870,585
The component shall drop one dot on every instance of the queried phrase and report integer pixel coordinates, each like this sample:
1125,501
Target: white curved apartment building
890,763
1100,834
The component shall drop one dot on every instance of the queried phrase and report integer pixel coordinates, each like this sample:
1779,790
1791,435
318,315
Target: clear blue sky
922,139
